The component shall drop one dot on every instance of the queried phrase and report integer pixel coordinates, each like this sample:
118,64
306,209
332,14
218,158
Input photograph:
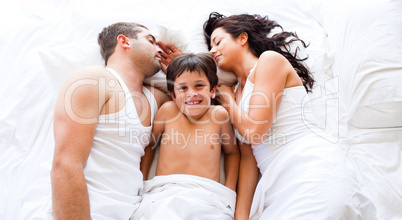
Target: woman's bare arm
269,82
248,179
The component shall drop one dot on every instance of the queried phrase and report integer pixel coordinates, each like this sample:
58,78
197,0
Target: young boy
192,135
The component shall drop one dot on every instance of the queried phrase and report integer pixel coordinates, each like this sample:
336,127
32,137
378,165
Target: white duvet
180,196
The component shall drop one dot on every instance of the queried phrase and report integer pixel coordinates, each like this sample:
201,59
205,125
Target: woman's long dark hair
257,29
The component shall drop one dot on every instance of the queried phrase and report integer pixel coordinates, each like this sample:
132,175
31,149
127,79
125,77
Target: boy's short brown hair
202,63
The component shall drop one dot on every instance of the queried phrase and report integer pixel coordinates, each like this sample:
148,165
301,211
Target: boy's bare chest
185,135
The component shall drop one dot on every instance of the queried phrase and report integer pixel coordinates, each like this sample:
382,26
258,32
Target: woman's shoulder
281,68
272,56
275,62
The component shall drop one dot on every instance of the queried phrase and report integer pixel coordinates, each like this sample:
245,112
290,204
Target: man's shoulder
160,96
88,80
91,72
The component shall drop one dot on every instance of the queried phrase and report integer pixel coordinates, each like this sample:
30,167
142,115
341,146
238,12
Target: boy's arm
146,160
232,154
157,129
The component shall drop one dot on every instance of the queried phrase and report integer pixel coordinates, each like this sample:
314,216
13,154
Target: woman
303,176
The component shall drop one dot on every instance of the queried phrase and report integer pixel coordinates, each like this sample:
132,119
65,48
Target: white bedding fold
308,181
181,196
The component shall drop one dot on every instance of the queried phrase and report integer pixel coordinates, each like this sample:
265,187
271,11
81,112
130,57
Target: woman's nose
212,51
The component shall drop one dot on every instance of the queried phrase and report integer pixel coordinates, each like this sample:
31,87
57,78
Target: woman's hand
168,53
225,95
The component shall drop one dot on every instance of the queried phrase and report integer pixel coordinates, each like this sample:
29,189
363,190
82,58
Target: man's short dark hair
107,39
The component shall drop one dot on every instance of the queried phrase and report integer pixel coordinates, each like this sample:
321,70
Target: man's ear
243,38
213,92
123,41
172,95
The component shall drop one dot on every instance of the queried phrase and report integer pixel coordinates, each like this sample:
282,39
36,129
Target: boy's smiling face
193,94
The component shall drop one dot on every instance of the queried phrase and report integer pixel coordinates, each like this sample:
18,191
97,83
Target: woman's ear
243,38
123,41
213,92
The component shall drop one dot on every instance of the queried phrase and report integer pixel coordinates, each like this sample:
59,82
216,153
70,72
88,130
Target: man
102,123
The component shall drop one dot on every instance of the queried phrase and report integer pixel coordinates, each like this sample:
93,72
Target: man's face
146,53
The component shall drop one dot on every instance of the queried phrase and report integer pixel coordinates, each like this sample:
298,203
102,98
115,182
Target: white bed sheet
42,42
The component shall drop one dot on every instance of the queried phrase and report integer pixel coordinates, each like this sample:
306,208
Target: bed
355,55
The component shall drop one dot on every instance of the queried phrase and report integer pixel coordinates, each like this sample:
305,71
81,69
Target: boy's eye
182,88
199,85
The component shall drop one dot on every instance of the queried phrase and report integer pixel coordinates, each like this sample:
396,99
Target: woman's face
224,49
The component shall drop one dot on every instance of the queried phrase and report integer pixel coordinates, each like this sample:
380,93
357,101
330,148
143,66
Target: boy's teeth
193,102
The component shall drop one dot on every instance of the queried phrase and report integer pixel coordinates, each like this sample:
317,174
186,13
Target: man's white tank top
112,171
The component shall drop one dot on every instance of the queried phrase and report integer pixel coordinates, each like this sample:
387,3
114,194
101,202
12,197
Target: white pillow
60,61
367,43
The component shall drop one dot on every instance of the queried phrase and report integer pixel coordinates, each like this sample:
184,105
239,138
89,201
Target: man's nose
158,49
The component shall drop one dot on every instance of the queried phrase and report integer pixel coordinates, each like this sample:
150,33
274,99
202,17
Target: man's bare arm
159,95
75,119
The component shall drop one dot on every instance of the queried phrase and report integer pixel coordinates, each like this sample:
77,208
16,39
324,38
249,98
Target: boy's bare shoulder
219,112
168,108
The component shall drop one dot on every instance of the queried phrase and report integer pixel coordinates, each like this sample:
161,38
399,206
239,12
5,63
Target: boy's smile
193,102
193,94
